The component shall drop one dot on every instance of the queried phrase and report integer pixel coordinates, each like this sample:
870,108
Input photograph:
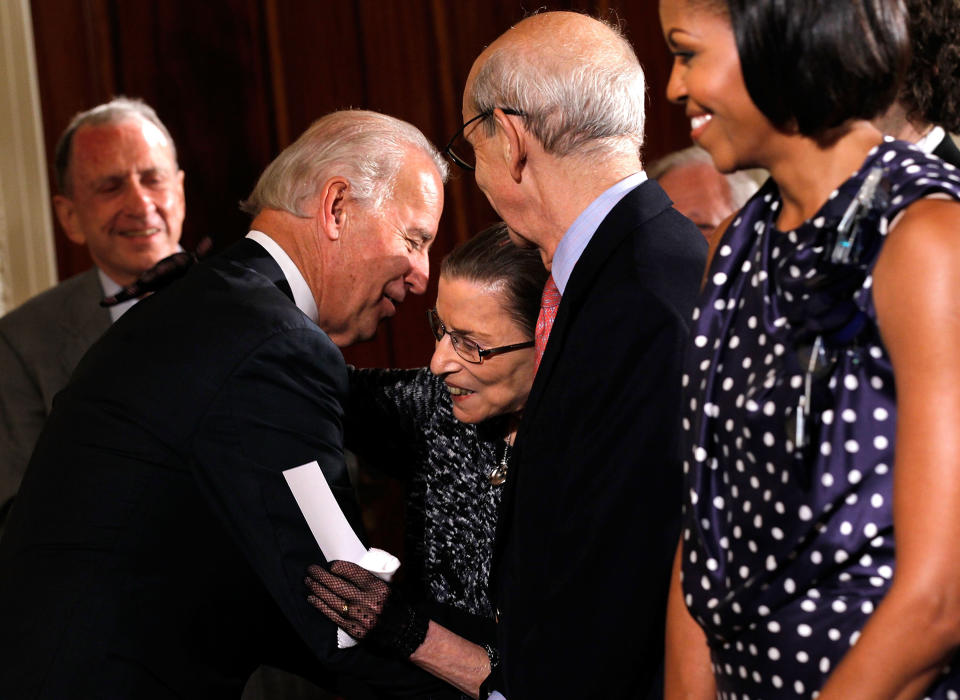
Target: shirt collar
111,288
931,140
578,236
302,296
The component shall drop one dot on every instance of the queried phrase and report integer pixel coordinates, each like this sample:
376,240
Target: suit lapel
639,205
83,319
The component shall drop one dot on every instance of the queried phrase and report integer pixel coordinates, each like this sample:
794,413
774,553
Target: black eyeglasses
459,149
467,349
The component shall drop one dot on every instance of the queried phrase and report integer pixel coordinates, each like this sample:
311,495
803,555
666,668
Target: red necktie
548,312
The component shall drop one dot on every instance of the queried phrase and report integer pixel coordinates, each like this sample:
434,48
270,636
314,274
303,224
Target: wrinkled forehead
133,136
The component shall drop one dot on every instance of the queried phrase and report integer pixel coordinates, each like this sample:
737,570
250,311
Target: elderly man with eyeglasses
554,116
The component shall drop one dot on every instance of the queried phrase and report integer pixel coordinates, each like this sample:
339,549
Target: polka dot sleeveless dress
786,555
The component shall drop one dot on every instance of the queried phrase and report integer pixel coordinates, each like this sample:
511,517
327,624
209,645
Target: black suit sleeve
281,409
386,411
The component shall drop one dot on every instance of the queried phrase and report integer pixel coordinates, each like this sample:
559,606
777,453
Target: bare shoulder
924,241
916,281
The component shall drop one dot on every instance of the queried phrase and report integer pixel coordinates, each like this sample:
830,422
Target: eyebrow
458,331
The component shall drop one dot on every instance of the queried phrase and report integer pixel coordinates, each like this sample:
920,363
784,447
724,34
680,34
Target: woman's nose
445,358
676,89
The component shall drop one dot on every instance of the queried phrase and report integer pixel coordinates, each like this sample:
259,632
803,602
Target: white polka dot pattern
787,555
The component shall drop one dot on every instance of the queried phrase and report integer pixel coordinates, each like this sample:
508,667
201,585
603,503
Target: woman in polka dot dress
822,387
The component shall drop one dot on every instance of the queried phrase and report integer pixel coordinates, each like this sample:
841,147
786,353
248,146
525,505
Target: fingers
341,586
354,616
344,600
355,574
331,612
332,599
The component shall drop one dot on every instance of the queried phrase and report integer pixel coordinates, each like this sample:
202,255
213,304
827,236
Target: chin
348,337
519,240
468,418
364,336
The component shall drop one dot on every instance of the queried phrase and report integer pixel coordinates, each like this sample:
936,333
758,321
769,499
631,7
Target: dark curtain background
237,80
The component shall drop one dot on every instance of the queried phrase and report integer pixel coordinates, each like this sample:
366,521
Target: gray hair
575,100
742,184
117,110
367,148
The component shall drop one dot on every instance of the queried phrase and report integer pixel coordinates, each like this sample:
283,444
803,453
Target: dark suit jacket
41,341
155,550
947,150
590,515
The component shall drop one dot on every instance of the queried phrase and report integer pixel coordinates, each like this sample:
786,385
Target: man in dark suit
589,521
155,549
121,197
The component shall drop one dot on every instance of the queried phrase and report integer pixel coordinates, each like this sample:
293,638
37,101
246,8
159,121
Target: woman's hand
370,611
366,608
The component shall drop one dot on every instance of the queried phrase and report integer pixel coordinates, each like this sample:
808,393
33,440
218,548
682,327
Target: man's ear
67,216
514,143
332,212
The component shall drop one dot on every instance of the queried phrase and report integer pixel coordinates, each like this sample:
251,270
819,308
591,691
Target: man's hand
366,608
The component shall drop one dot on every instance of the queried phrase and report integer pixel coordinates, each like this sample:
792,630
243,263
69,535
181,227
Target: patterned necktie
548,312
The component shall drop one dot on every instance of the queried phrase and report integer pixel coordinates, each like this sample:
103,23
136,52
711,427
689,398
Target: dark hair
812,65
117,110
931,90
491,258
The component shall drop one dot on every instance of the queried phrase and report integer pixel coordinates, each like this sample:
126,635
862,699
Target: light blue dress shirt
578,236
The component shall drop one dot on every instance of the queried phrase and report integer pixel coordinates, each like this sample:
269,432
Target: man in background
554,117
155,549
121,196
701,192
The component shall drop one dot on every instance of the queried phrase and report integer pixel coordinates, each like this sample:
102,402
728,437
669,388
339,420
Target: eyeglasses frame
448,150
483,353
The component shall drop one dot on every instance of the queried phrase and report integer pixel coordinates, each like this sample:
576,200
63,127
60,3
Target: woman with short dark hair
822,386
447,431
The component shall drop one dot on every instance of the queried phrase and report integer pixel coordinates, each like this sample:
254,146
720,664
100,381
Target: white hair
575,99
742,184
367,148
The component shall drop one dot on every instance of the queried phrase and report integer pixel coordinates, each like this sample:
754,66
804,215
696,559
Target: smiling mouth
700,121
457,391
140,233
